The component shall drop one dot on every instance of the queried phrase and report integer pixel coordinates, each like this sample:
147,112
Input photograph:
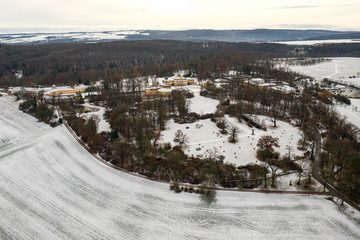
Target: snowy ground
283,183
28,38
97,113
289,182
338,68
15,126
204,136
351,112
201,105
349,81
51,188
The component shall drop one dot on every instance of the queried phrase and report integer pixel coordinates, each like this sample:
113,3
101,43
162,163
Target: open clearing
51,188
350,112
340,68
205,136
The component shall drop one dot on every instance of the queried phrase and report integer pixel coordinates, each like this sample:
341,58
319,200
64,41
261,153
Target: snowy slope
15,125
351,113
51,188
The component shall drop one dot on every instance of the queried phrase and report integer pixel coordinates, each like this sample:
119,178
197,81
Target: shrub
223,131
207,116
221,125
176,188
342,99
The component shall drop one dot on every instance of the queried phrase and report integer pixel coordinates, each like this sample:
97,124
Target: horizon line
44,31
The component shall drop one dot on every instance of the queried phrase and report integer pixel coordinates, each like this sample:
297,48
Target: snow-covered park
52,188
204,137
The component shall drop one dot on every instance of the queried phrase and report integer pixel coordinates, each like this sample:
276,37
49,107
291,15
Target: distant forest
72,63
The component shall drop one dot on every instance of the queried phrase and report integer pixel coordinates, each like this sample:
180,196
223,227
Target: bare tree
275,105
156,135
290,151
181,138
266,149
233,131
222,124
264,172
273,170
266,153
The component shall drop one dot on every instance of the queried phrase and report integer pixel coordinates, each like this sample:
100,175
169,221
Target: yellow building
151,90
164,91
170,82
179,81
155,91
63,90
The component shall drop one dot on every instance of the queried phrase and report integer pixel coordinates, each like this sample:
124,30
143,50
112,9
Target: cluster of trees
340,162
311,111
302,61
33,105
141,154
271,161
333,50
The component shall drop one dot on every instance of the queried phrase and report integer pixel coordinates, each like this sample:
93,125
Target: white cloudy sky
93,15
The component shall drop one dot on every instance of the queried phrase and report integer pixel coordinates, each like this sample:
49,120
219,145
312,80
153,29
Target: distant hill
256,35
352,35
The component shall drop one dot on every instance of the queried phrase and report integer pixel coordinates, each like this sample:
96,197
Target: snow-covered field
53,37
15,125
338,68
202,105
51,188
204,136
351,112
354,81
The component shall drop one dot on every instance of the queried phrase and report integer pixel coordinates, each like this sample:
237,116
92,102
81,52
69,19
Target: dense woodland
136,123
74,63
81,62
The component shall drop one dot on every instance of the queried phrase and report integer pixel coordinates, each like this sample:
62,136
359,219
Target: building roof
164,90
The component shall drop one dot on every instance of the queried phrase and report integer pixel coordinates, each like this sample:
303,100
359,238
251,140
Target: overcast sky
101,15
